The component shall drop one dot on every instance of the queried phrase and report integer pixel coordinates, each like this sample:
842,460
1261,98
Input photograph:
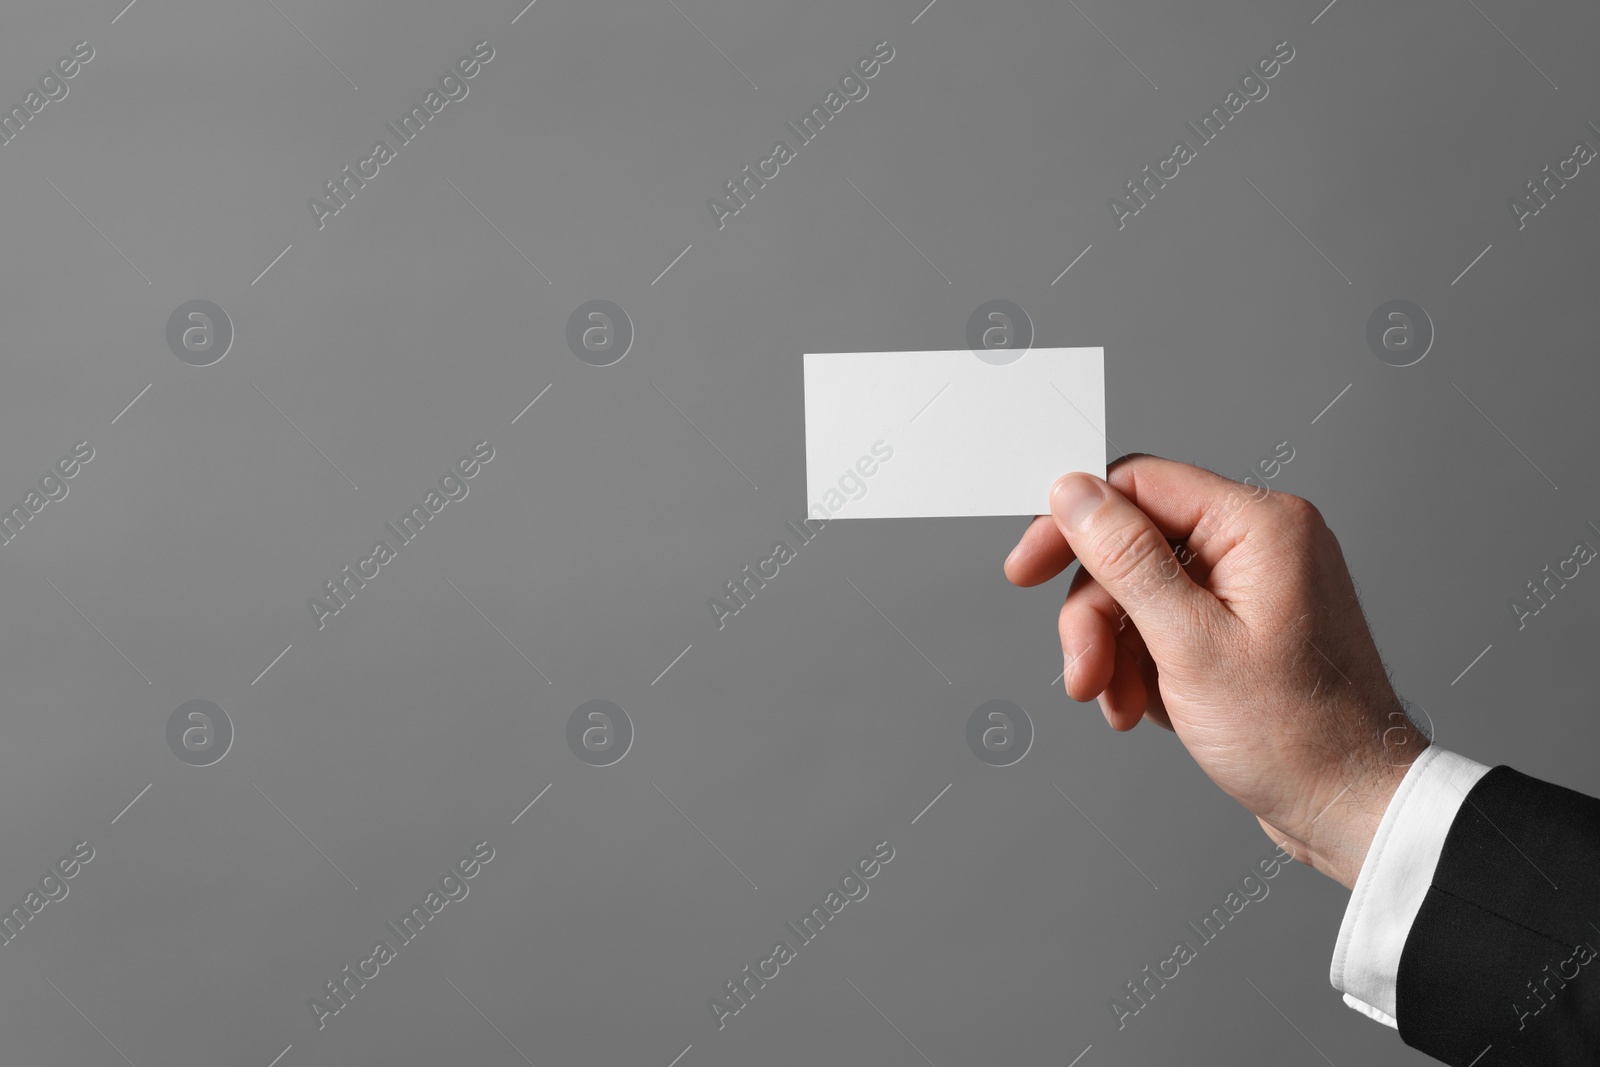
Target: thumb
1124,551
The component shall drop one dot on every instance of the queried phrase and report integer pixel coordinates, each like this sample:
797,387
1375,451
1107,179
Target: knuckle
1132,552
1300,516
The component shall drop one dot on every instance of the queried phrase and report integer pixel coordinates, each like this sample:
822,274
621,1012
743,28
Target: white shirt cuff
1395,878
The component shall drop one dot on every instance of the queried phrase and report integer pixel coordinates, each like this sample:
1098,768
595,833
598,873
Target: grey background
375,752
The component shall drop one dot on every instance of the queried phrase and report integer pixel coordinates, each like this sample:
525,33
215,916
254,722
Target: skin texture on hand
1226,614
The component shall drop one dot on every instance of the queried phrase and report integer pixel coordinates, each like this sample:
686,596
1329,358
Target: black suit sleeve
1502,965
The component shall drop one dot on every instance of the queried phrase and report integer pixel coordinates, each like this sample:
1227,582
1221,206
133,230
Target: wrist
1338,840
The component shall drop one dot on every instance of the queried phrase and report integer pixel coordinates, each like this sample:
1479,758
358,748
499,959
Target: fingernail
1073,497
1105,709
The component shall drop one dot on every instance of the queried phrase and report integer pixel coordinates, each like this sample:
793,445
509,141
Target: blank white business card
922,434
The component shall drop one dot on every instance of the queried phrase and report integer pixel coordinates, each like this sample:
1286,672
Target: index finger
1040,555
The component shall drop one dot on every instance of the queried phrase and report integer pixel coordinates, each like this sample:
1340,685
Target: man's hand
1247,641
